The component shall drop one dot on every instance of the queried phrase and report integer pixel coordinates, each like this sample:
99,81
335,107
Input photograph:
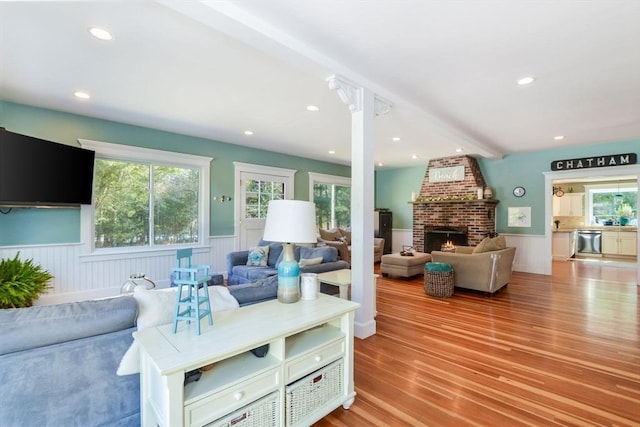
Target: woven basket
264,412
311,392
438,284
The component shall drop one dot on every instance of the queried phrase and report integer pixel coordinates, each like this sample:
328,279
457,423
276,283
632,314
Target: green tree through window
604,201
333,205
126,192
258,194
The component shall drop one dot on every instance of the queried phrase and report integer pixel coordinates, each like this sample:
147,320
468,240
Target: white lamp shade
291,221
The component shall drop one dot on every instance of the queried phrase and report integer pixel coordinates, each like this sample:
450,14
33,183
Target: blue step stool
192,300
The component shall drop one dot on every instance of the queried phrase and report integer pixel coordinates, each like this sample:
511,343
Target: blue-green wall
394,186
44,226
393,192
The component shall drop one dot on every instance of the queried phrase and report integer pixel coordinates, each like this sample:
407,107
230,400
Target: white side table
342,279
339,278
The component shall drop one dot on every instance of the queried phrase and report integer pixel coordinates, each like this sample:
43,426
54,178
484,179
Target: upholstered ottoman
404,266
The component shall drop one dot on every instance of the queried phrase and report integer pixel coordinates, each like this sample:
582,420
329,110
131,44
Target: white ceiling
449,68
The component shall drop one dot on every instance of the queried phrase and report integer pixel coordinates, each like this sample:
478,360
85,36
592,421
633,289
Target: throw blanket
156,307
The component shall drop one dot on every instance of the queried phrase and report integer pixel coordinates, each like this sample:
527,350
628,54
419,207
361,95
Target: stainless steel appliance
588,242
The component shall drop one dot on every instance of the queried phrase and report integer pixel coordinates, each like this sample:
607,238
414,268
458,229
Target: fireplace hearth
436,236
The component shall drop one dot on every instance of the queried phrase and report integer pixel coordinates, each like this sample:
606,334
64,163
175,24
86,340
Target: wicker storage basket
311,392
264,412
438,284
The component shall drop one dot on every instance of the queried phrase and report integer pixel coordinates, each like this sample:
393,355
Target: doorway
256,186
553,180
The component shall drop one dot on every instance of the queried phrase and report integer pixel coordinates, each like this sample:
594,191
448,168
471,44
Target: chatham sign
594,162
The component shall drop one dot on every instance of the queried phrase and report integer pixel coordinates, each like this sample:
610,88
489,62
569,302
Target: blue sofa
254,292
238,272
58,365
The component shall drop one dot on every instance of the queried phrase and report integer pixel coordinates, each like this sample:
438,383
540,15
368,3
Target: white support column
364,106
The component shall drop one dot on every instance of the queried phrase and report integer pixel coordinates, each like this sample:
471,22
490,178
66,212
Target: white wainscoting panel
529,250
220,247
79,277
401,237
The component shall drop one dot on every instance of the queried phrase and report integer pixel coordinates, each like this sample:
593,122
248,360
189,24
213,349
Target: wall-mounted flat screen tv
35,172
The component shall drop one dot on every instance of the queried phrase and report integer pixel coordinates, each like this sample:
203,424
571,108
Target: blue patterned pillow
258,256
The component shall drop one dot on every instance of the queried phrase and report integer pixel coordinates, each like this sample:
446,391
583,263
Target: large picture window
332,196
146,199
125,194
605,203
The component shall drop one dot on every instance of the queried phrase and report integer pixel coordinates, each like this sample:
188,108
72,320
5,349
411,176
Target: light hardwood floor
547,350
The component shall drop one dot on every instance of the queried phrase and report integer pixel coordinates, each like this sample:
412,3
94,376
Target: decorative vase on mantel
488,193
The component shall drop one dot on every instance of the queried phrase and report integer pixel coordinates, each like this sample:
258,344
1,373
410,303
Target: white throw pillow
156,307
310,261
221,299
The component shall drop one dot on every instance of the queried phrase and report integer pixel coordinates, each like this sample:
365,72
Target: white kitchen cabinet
562,244
309,342
610,242
571,204
627,243
619,243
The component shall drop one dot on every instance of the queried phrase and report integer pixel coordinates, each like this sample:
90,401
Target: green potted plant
21,282
624,211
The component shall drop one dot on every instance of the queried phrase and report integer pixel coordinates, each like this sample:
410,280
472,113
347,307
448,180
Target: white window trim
321,178
146,155
241,168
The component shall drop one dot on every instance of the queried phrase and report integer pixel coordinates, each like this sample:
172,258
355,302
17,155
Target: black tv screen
35,172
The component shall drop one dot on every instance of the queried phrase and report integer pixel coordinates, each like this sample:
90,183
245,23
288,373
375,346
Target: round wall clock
519,191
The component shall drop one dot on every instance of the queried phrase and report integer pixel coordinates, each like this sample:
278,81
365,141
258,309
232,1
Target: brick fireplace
449,198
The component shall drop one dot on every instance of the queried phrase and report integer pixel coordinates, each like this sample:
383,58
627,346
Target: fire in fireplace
437,236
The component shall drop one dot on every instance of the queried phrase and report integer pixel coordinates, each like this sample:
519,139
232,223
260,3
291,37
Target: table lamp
289,222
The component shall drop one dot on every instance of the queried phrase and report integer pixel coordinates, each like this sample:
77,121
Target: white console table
305,338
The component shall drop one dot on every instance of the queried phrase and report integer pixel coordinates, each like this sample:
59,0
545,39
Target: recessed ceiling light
312,108
558,137
248,132
414,156
100,33
332,151
459,150
526,80
395,138
81,95
380,164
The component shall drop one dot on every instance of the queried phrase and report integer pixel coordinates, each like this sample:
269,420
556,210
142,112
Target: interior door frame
268,172
549,177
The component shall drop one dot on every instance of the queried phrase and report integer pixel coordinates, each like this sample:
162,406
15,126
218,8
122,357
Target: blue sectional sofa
58,365
238,272
254,292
